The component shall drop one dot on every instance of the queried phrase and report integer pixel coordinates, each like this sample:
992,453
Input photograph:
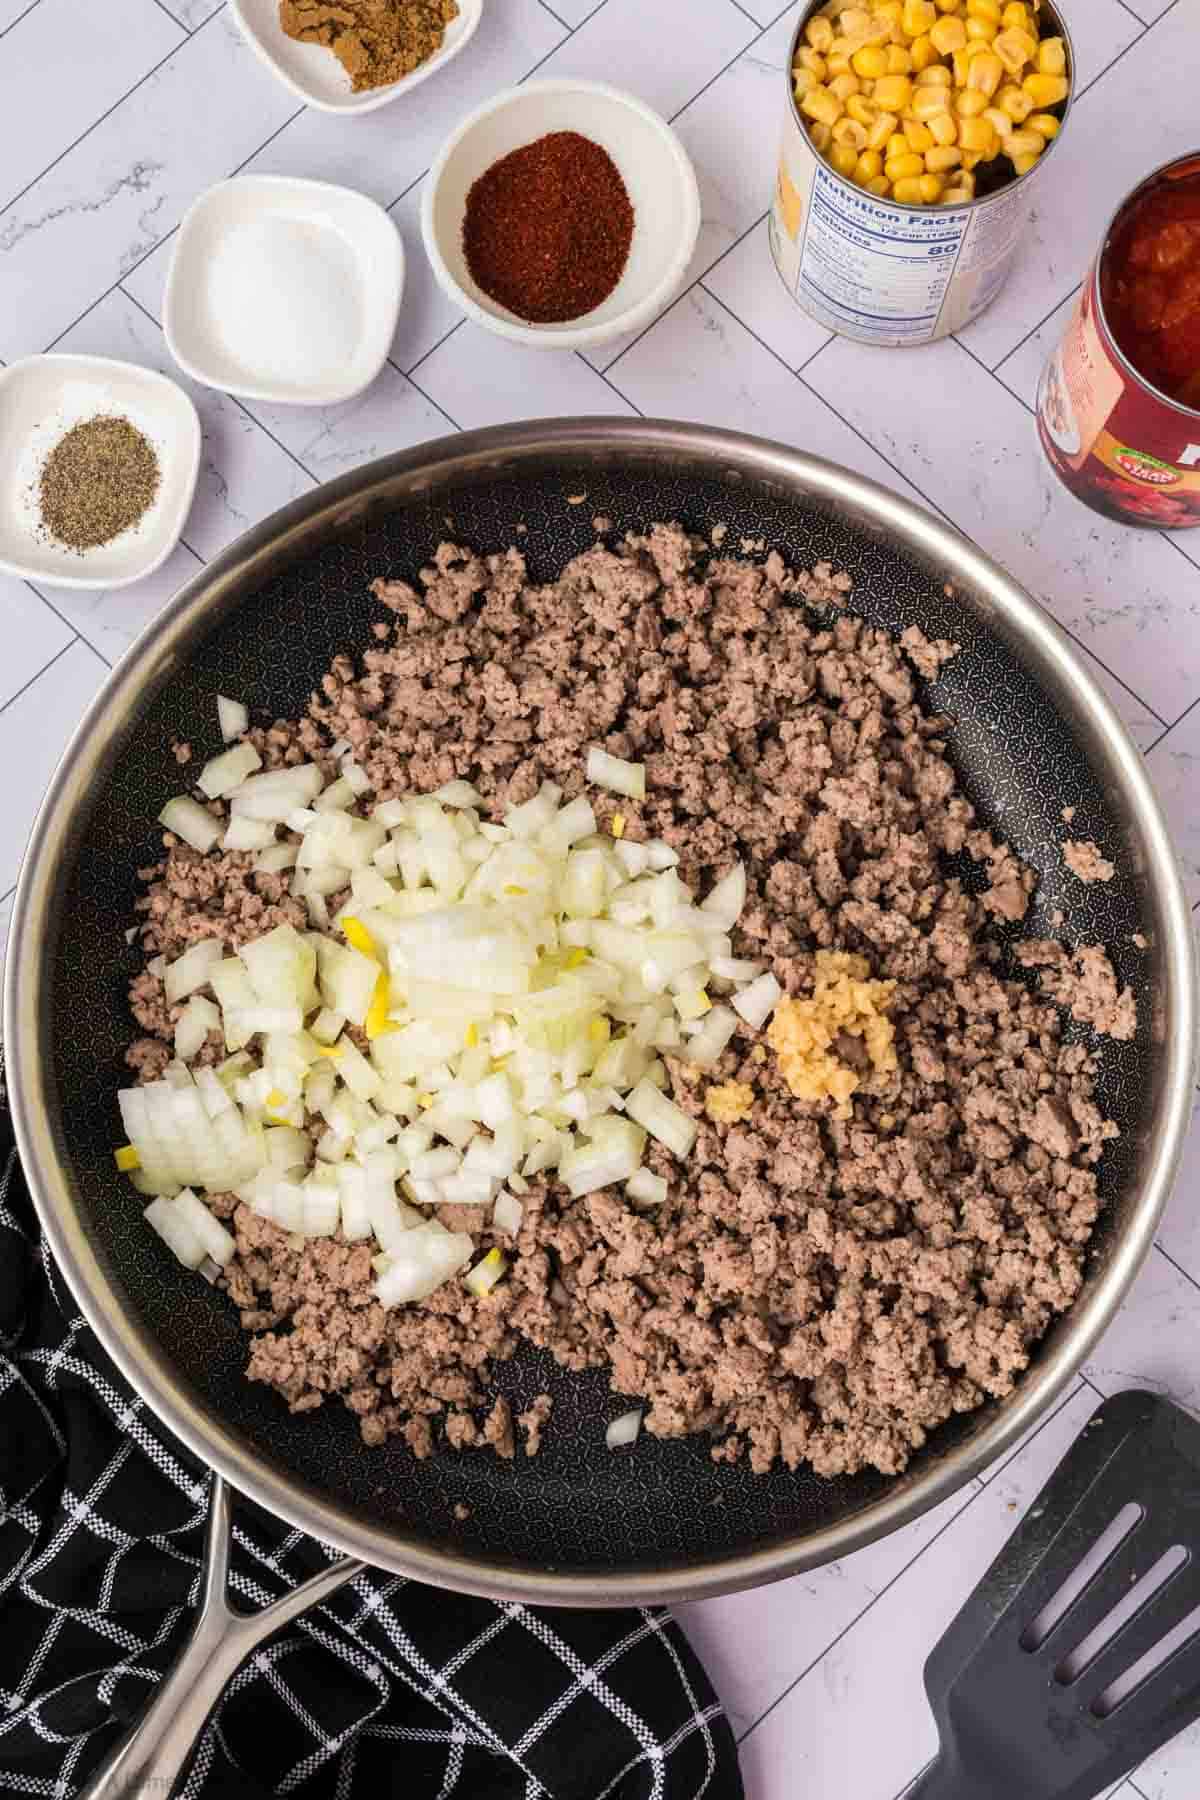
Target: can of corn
876,253
1124,435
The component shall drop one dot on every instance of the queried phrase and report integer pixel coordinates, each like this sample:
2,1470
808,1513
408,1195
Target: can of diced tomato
891,274
1119,400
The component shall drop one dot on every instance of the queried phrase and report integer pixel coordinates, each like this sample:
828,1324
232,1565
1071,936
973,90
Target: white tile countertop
115,118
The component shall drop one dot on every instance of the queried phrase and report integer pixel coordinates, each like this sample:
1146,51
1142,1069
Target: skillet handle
146,1763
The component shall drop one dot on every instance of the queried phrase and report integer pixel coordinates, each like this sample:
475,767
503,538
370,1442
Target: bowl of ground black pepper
562,214
98,467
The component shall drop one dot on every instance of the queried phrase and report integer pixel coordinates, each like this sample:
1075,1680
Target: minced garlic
803,1032
729,1103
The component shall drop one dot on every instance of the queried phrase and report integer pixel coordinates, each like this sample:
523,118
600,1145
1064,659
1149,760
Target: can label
881,273
1116,443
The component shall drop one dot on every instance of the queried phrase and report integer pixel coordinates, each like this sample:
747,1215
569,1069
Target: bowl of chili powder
562,214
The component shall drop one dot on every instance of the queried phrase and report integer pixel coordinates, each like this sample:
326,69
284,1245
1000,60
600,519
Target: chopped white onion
624,1430
191,822
661,1118
248,834
646,1188
233,717
707,1045
757,1002
507,1212
193,969
617,775
228,771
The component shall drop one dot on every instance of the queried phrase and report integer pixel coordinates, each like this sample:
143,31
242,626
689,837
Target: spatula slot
1081,1576
1139,1673
1141,1595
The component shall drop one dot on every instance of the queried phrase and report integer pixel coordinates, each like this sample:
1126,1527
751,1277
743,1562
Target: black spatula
1079,1653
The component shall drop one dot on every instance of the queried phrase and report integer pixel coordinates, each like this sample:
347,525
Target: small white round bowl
315,75
653,164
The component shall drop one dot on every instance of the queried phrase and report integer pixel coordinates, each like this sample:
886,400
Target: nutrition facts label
878,272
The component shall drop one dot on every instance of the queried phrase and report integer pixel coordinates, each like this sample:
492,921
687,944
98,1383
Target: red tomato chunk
1151,288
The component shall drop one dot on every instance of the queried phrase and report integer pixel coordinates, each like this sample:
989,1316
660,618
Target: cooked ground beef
814,1288
1085,860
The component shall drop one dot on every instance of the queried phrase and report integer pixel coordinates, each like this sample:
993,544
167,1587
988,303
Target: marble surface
116,118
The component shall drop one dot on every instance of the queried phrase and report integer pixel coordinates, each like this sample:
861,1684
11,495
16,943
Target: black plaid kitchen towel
388,1689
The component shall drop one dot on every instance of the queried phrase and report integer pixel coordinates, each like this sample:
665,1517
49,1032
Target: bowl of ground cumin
351,56
561,214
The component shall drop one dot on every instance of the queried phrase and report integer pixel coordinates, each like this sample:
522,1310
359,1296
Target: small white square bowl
315,74
358,223
41,399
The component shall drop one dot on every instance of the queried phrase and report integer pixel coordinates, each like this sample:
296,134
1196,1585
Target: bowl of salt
284,290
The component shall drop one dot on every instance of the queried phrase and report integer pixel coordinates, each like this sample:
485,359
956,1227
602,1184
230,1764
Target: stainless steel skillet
578,1526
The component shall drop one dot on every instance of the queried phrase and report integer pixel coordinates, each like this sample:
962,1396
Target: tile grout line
109,111
571,30
1178,1267
164,8
1133,43
426,354
426,396
592,370
167,235
972,1497
1033,330
546,7
63,619
33,5
1186,713
760,32
37,676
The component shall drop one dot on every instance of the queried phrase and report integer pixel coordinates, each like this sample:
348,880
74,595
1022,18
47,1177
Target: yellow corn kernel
127,1158
929,103
880,186
860,108
908,191
942,157
276,1100
980,31
893,93
1052,56
843,157
1023,164
617,825
899,59
356,933
923,54
880,33
849,131
471,1041
837,65
577,958
917,17
822,105
979,135
897,145
944,129
969,104
881,131
937,75
986,74
972,158
1016,17
919,136
814,62
855,22
599,1030
891,10
332,1051
963,181
931,188
870,62
1045,124
956,196
960,64
949,6
984,9
948,34
1015,49
1015,102
820,135
819,32
844,85
868,166
1046,90
802,82
999,121
904,168
1024,143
